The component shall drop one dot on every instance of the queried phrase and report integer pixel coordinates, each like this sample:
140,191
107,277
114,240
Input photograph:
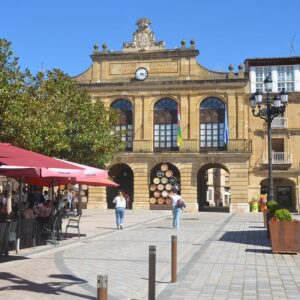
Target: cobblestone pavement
220,256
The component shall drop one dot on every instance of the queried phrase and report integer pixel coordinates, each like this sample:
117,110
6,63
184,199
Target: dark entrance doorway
283,192
213,187
122,175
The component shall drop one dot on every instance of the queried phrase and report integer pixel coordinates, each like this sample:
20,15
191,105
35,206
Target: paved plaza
220,256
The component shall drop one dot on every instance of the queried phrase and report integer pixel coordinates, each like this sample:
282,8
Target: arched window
165,125
212,117
125,121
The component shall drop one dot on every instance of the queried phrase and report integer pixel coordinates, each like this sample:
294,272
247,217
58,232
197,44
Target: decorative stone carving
143,38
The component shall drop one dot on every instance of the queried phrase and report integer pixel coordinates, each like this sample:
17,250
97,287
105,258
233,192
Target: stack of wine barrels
162,184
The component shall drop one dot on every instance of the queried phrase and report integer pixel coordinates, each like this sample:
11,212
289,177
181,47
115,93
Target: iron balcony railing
279,122
234,145
279,158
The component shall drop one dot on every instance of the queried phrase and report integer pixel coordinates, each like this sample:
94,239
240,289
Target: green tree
50,114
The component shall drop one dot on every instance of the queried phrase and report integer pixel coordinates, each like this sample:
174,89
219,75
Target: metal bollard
174,259
102,287
152,271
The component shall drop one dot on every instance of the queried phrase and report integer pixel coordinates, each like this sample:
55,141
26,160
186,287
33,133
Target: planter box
285,236
267,217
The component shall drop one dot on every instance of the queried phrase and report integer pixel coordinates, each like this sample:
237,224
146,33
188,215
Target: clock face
141,73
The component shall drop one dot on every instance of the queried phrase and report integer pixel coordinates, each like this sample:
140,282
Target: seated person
29,213
66,208
3,212
45,210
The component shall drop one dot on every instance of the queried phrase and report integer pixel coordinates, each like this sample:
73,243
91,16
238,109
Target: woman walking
120,202
178,205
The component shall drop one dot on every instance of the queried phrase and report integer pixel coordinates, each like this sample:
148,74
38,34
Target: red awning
15,156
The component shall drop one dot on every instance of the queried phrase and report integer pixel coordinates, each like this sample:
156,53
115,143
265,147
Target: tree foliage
50,114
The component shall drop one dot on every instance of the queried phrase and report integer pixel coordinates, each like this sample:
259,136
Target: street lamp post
272,109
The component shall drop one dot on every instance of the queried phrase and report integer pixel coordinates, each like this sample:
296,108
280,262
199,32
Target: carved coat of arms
143,38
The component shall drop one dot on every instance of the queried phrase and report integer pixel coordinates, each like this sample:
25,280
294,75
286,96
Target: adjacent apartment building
190,128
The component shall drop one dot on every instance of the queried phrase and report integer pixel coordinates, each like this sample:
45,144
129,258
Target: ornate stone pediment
143,38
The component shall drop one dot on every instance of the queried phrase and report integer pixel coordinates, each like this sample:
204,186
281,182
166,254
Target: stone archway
284,191
213,188
123,175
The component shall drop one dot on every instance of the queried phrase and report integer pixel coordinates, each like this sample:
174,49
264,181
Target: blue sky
61,33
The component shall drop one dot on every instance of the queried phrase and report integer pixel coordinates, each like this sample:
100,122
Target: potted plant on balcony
284,232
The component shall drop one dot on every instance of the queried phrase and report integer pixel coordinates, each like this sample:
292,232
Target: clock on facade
141,73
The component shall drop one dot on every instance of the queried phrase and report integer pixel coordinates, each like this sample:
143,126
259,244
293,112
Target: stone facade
176,74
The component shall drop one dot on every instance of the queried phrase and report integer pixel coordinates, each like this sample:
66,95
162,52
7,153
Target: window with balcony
261,73
124,125
212,116
285,78
165,125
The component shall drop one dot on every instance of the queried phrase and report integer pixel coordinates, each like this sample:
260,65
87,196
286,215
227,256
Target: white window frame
283,82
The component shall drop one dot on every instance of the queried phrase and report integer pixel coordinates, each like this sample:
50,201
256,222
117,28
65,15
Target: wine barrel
165,193
160,187
156,180
172,180
82,192
84,187
160,200
152,187
169,187
160,173
164,167
152,200
169,173
168,201
84,199
164,180
156,194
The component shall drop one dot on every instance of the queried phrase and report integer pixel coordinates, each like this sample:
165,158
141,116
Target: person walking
178,205
120,202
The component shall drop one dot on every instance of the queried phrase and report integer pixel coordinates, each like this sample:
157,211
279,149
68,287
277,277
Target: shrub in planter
284,233
283,215
273,206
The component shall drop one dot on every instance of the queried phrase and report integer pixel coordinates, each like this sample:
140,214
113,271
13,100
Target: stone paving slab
220,256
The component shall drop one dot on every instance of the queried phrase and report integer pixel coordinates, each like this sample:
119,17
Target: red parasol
15,156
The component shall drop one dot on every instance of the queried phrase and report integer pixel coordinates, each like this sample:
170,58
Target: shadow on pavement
4,259
53,288
71,235
248,237
261,227
267,251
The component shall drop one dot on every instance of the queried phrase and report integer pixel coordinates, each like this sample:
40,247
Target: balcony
238,145
279,123
280,160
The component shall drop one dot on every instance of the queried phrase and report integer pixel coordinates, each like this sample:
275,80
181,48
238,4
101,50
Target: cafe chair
74,222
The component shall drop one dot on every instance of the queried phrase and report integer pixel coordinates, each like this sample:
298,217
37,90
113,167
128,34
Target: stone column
239,187
97,197
297,198
141,186
188,183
